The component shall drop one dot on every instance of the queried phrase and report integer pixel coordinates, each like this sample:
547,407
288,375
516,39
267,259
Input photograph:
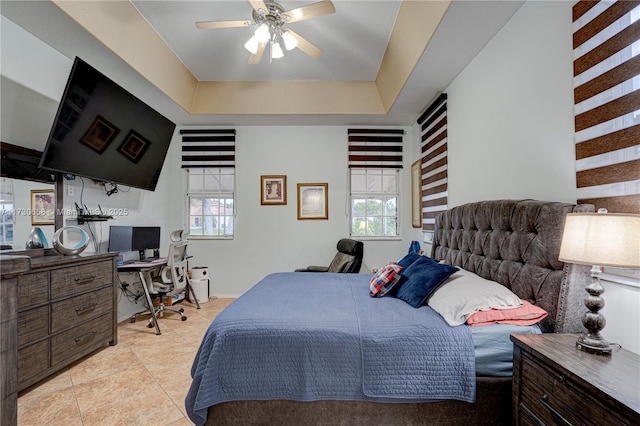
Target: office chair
348,260
172,279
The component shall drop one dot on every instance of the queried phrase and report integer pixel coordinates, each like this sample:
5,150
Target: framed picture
416,194
134,146
43,205
313,201
99,135
273,190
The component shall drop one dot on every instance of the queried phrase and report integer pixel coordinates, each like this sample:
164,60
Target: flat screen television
103,132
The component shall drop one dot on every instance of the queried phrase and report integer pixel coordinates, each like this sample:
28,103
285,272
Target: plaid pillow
384,280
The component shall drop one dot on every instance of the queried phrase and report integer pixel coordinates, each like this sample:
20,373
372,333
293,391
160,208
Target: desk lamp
599,239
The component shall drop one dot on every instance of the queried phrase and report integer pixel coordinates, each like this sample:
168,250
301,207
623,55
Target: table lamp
599,239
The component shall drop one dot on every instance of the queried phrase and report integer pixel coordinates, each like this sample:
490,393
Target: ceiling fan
270,18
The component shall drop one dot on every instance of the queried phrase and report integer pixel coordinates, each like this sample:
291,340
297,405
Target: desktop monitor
145,238
120,238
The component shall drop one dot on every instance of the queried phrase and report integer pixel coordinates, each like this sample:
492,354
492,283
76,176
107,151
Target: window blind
379,148
202,148
606,69
433,157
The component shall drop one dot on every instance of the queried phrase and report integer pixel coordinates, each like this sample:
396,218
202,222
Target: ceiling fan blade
258,4
255,58
320,8
305,46
205,25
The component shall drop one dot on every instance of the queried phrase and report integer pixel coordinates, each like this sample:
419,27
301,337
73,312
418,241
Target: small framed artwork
416,194
134,146
273,190
99,135
43,206
313,201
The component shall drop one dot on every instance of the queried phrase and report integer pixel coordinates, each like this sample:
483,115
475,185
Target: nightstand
555,383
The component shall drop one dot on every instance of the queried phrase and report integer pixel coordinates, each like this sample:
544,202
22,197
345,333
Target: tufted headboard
516,243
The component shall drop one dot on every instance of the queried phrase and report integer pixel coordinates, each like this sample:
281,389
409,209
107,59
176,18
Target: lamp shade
262,34
290,42
276,51
252,45
604,239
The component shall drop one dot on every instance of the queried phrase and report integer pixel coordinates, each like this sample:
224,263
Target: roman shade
379,148
202,148
433,157
606,71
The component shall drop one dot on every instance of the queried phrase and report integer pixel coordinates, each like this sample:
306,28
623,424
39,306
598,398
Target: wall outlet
70,190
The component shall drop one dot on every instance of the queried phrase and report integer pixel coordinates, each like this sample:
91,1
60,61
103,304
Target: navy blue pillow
406,261
421,278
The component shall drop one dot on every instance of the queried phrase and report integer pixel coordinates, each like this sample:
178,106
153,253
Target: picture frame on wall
416,194
43,204
273,190
99,135
134,146
313,201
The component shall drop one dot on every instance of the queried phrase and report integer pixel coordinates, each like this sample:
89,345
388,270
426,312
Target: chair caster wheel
183,318
181,310
150,325
132,320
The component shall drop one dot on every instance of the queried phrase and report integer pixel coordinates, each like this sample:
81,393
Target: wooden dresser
555,383
63,308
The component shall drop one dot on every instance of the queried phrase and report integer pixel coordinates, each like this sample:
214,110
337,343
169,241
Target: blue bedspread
314,336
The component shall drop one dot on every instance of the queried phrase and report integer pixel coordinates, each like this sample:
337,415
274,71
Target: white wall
510,131
510,112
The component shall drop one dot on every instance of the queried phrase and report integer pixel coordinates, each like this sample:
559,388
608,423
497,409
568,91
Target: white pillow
465,293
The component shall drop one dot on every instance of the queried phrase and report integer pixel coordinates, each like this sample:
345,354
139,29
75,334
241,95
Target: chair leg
192,293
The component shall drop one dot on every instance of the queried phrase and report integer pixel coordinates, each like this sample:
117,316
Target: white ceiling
353,41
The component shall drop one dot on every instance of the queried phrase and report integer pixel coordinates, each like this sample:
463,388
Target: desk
144,270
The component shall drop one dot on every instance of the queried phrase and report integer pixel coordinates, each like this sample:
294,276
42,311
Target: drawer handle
86,279
544,400
90,335
81,310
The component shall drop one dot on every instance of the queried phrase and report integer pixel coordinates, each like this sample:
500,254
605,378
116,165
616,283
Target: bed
317,349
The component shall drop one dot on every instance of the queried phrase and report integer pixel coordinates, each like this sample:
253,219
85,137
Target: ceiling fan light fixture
252,45
290,42
262,34
276,50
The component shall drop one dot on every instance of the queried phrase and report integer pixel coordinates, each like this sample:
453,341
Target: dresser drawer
80,278
33,325
556,400
70,312
33,289
32,360
73,344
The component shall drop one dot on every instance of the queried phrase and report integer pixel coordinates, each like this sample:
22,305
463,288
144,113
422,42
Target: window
374,202
211,195
6,204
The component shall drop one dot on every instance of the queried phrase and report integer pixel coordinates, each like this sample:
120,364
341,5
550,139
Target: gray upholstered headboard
516,243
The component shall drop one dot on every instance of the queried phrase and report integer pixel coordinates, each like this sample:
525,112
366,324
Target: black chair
348,260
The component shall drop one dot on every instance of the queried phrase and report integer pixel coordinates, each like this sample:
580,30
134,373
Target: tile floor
143,380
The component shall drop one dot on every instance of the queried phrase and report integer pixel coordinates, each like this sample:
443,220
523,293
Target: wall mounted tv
103,132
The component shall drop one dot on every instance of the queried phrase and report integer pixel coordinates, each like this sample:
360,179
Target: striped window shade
375,148
433,148
606,69
202,148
